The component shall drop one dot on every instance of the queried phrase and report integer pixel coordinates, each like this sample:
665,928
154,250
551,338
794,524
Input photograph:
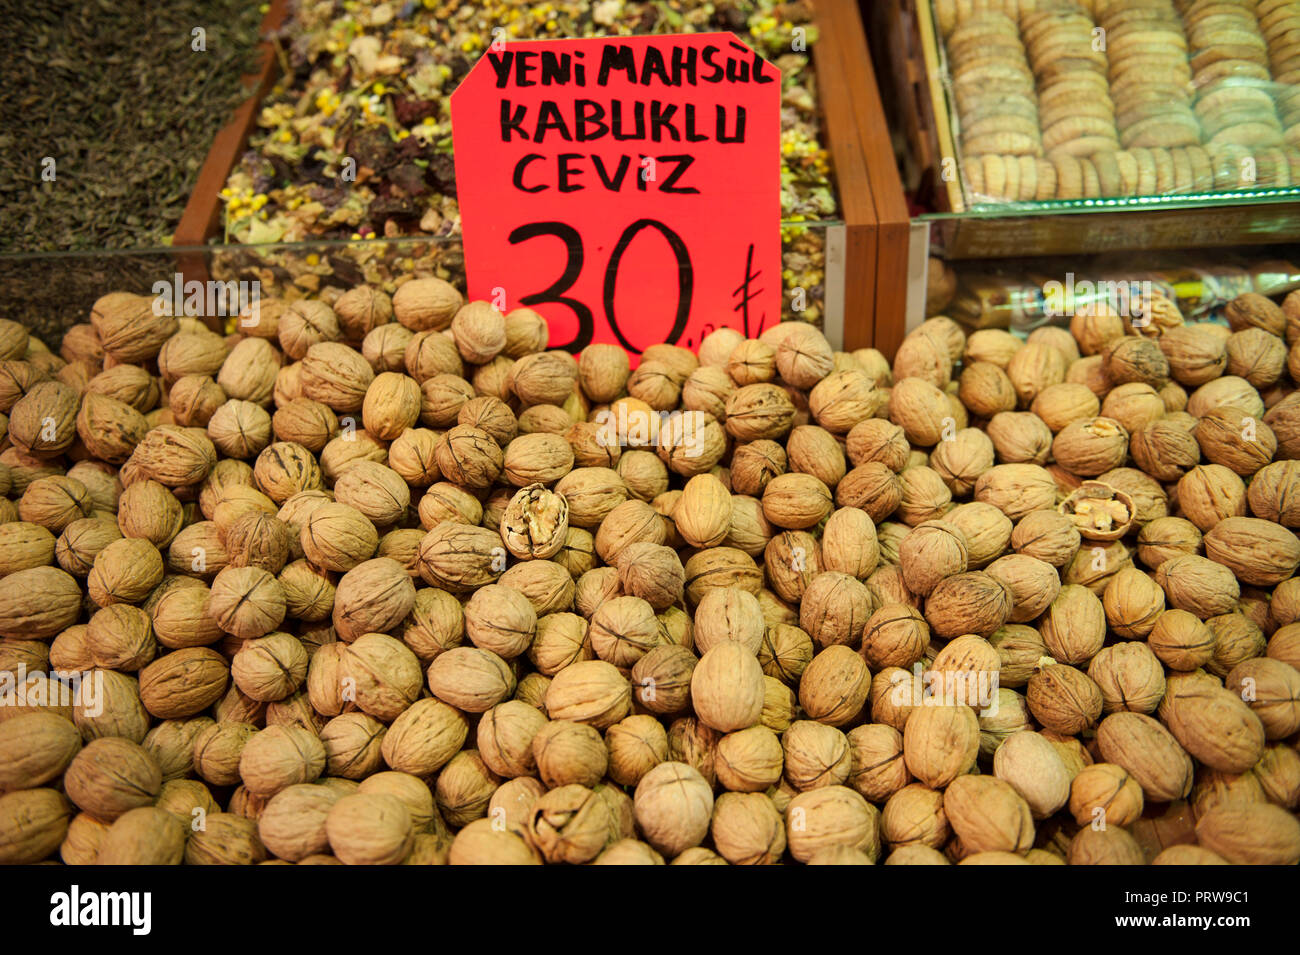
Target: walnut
727,688
1060,404
988,815
940,743
569,753
1107,792
603,372
871,487
539,458
673,806
546,585
1270,493
125,571
54,502
1285,422
962,459
535,523
183,683
130,329
1195,354
470,679
392,403
36,748
44,420
337,376
691,442
931,551
1257,356
369,828
1148,752
280,756
1131,359
1271,689
843,400
1130,678
270,668
445,503
833,687
144,836
751,362
1199,585
875,439
747,829
1228,436
1034,584
422,304
828,817
1255,551
38,603
972,602
1033,368
1212,723
795,501
759,411
110,429
372,597
623,630
1020,437
111,776
337,537
424,737
1099,511
921,410
1091,446
849,543
662,677
1064,699
1251,834
249,371
545,378
430,353
1016,489
986,390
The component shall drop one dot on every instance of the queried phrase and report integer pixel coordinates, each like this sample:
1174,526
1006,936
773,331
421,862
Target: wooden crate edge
203,210
853,184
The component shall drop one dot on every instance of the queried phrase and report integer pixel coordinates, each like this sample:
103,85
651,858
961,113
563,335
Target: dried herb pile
115,94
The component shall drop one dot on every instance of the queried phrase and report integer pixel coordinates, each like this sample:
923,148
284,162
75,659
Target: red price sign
627,188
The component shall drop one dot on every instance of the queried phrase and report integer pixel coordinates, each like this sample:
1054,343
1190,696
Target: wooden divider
840,113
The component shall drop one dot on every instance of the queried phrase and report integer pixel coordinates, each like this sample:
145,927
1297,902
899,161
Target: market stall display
387,582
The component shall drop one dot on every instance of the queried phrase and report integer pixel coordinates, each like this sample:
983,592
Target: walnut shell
1257,551
1148,752
111,776
940,743
369,828
673,806
831,816
183,683
1251,835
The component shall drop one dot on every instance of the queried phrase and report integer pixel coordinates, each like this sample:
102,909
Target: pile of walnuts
383,581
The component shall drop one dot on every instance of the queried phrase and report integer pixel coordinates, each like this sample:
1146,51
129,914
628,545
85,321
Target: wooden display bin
907,49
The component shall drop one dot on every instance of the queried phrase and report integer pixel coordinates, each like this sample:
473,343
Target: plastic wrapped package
1022,296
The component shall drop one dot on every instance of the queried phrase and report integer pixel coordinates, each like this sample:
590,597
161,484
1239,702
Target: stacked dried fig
385,581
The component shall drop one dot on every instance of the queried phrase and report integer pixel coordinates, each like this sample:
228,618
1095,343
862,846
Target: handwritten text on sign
628,189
